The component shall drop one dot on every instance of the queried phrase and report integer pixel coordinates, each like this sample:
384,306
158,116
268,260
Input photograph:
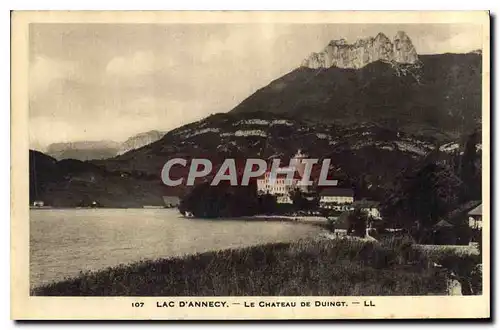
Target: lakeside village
283,196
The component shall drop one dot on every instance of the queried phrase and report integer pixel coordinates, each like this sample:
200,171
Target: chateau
286,179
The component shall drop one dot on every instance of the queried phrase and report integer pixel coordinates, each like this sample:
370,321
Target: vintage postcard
250,165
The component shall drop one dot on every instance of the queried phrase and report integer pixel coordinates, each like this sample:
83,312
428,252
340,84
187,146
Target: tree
223,200
304,201
267,204
470,169
357,222
421,197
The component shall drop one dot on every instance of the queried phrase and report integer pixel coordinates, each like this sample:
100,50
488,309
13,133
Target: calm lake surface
64,242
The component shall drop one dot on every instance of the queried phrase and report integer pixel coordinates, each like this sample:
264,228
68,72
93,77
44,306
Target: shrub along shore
340,267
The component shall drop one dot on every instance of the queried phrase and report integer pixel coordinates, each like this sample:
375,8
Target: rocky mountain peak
382,37
340,42
339,53
404,51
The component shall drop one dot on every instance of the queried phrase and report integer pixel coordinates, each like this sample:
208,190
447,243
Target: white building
280,186
336,198
476,217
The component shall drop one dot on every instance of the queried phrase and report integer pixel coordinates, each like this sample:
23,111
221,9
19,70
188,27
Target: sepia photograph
265,162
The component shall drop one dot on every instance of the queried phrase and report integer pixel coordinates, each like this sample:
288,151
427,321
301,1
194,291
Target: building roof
442,224
478,210
462,211
343,192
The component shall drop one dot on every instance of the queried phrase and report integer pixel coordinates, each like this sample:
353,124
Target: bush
330,225
358,221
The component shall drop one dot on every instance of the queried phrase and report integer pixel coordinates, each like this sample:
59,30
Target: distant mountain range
83,150
89,150
374,107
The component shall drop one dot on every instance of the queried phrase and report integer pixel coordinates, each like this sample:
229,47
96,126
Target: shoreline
313,220
309,219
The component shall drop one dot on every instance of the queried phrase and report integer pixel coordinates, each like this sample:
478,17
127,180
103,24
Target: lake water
64,242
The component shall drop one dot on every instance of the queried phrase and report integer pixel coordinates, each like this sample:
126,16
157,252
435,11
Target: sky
111,81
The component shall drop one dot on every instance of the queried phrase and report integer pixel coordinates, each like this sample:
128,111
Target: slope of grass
337,267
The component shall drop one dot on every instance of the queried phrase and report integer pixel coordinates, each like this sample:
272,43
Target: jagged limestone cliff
339,53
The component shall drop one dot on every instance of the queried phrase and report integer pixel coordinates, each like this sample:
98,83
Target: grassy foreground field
323,267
